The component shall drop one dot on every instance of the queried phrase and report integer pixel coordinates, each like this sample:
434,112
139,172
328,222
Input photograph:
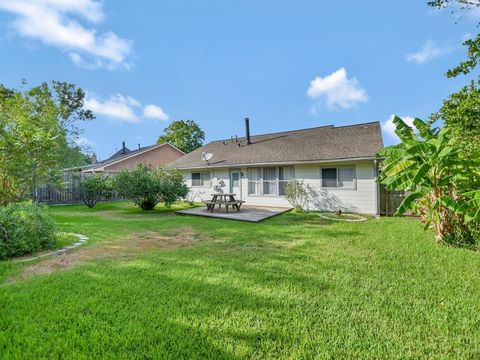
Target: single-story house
151,156
337,163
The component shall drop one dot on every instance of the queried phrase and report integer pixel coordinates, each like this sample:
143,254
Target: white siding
198,193
361,199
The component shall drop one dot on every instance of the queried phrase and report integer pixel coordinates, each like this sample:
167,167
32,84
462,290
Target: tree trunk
443,226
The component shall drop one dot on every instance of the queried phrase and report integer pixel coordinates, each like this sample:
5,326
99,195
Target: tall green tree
71,155
461,110
461,113
34,125
462,4
184,134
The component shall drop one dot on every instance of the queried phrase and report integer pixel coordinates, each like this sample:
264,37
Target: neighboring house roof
121,152
100,166
321,144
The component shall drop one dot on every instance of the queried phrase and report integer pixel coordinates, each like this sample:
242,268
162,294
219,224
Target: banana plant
433,172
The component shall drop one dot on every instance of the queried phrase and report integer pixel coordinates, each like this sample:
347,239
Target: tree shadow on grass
213,301
143,308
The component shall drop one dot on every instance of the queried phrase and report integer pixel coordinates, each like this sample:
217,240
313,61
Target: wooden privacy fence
68,192
390,201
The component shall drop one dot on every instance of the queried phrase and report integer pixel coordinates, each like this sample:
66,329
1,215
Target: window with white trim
338,177
201,179
269,181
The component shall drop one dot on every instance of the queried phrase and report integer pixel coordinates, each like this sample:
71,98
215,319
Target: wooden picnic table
226,199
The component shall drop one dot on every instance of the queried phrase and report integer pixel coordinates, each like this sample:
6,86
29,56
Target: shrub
95,188
172,185
25,228
296,193
146,188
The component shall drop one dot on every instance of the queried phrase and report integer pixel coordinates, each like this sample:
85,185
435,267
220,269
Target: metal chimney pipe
247,130
123,148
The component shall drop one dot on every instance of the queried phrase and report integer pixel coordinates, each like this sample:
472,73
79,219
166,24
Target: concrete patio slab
247,213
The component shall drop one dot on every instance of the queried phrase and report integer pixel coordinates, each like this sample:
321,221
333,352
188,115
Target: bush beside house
146,188
296,193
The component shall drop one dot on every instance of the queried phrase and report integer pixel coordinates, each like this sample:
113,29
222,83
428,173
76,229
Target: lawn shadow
156,306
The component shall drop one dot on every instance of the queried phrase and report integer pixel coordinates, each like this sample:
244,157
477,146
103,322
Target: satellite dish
206,156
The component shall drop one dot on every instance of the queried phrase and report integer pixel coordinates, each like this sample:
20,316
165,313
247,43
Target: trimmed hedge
25,228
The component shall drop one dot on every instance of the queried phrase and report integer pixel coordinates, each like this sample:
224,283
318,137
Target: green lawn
159,285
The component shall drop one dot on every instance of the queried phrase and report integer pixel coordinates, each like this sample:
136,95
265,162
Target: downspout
241,183
377,186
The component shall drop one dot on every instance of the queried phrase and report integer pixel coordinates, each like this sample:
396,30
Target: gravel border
81,240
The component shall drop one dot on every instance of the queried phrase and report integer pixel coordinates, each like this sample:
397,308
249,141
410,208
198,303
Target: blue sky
284,64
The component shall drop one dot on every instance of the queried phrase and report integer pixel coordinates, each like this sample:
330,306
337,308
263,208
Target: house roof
320,144
118,157
120,153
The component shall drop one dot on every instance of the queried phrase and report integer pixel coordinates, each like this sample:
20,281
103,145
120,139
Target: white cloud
54,22
154,112
123,108
84,142
427,52
388,127
338,89
116,107
80,61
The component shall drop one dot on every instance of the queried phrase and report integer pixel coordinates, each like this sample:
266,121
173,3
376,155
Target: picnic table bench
226,199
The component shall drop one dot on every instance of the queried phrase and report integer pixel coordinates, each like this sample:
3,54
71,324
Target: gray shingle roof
120,153
306,145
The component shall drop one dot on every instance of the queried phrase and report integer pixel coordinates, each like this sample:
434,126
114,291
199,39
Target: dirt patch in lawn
123,249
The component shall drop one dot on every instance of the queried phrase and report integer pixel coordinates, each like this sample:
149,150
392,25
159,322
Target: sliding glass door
269,181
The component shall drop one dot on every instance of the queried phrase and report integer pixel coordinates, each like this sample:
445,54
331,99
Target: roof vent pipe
124,151
247,130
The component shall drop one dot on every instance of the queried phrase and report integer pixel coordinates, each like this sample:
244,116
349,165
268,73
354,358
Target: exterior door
235,183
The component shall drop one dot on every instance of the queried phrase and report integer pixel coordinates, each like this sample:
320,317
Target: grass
64,239
294,286
343,216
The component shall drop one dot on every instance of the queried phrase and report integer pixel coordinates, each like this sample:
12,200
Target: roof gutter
320,161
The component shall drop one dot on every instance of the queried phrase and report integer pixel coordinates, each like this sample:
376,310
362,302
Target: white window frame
202,181
240,176
354,187
260,181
